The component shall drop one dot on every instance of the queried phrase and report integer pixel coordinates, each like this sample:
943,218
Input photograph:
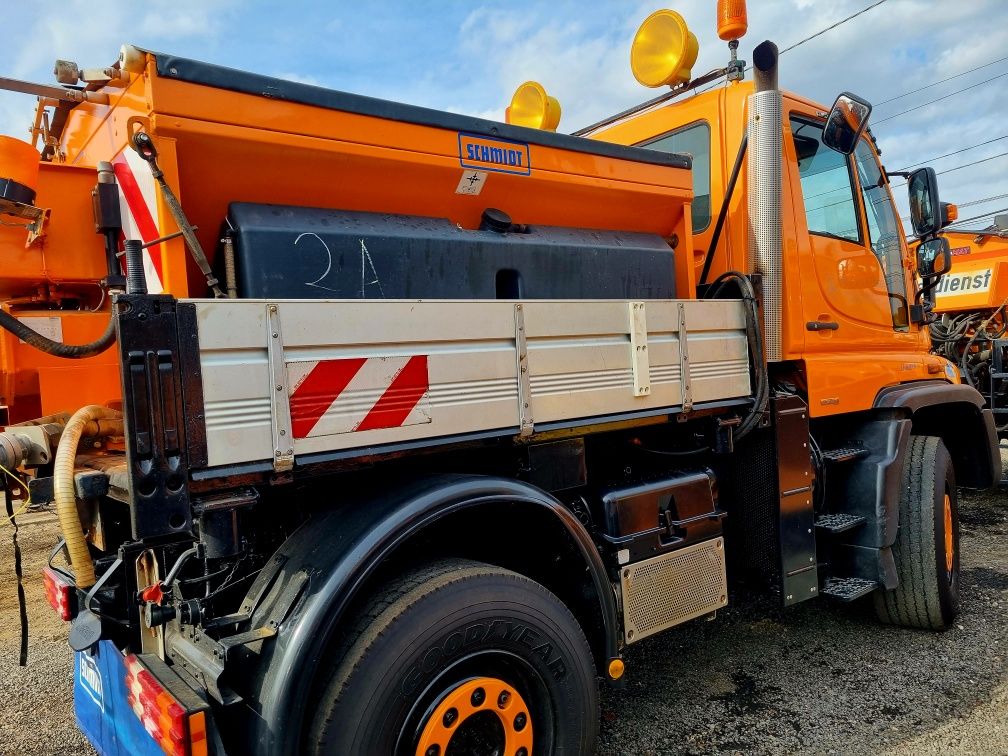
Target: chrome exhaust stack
763,178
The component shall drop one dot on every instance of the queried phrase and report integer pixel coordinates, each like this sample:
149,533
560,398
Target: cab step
848,588
838,523
844,454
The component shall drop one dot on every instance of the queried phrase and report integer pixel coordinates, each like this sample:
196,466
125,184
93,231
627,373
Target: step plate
838,523
673,588
848,589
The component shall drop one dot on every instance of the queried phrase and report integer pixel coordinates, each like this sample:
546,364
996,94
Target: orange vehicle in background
971,329
374,429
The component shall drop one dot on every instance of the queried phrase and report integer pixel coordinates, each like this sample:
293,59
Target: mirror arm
723,212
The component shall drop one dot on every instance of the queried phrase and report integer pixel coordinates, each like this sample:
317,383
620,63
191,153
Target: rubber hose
92,421
70,351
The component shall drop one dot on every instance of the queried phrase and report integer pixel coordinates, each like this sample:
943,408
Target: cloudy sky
469,56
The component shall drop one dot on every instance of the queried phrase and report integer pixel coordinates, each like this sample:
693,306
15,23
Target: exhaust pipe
763,177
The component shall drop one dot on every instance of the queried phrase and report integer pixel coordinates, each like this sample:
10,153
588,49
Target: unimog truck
374,429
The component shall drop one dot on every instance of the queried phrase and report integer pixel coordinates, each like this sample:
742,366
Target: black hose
70,351
755,339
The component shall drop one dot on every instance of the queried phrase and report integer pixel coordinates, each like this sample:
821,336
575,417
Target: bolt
478,697
434,750
520,721
449,717
279,388
272,308
502,699
523,751
276,335
284,433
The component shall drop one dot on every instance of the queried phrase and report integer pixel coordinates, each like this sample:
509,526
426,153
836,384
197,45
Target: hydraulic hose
92,421
70,351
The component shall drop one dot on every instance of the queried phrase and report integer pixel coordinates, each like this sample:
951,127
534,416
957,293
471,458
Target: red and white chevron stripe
358,394
138,205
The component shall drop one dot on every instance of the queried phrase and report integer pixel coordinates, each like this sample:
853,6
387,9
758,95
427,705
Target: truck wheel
927,546
460,657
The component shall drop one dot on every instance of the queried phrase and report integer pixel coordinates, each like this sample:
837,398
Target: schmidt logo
489,154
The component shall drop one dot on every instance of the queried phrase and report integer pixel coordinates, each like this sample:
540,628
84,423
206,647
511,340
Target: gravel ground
818,678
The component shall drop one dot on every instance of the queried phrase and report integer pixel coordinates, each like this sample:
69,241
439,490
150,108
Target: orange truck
970,328
377,429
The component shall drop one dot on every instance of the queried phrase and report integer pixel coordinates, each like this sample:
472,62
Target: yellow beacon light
531,106
664,50
732,20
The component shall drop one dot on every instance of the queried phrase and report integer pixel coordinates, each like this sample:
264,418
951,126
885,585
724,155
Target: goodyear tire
460,657
927,545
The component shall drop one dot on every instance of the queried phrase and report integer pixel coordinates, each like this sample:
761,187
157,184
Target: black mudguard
336,551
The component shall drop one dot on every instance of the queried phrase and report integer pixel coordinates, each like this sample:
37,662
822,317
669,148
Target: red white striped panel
138,206
358,394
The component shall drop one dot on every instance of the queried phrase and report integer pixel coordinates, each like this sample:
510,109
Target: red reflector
173,728
60,593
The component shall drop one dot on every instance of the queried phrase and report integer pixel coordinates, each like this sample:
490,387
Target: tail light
179,731
60,593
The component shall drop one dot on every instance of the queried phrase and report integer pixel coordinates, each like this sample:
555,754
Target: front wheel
460,657
927,545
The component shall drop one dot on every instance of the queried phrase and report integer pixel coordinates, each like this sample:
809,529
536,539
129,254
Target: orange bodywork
843,369
978,279
218,146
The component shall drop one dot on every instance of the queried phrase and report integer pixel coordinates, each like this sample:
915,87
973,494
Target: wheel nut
523,751
520,721
478,697
502,699
449,717
434,750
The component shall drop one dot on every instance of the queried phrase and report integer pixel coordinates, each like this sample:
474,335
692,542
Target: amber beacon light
664,50
531,106
732,20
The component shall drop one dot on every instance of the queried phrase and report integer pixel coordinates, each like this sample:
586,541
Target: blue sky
469,56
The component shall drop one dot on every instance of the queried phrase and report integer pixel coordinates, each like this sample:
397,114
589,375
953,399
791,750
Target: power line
978,217
943,97
810,37
940,81
950,154
959,167
833,26
971,203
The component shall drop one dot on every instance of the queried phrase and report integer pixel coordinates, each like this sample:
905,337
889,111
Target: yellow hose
91,421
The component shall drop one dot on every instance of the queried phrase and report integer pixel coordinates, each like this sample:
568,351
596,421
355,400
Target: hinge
684,367
639,360
525,423
283,438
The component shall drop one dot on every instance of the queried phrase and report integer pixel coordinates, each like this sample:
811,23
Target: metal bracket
639,360
684,366
283,437
524,381
37,217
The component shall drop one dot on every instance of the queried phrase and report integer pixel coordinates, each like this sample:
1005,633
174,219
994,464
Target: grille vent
672,588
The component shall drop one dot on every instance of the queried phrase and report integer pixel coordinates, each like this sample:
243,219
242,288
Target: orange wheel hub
949,544
484,694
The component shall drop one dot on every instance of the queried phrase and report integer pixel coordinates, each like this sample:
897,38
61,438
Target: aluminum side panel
578,358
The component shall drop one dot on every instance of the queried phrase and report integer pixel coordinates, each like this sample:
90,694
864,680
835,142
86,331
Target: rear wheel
927,546
460,657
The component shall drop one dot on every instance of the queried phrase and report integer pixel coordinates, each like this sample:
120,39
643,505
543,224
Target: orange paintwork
825,279
218,146
979,276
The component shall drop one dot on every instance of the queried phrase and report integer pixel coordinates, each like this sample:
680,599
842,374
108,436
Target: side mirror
934,258
925,207
846,120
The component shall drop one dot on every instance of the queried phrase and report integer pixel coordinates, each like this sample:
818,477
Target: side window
694,141
826,184
883,231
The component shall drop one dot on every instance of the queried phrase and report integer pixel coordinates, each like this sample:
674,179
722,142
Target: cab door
854,283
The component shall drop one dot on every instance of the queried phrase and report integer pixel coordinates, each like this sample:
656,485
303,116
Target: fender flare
339,549
957,413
